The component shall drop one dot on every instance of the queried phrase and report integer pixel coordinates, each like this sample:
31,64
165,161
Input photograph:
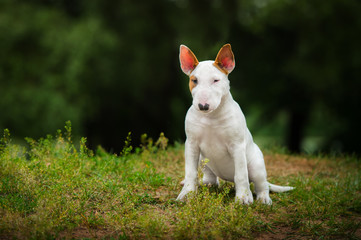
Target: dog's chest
212,138
213,144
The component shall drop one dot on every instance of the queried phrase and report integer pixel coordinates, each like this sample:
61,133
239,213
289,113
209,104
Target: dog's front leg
241,181
191,168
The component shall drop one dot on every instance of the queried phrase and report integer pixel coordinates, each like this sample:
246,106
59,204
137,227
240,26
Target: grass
54,190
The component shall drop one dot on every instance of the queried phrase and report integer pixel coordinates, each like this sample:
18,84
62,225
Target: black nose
204,107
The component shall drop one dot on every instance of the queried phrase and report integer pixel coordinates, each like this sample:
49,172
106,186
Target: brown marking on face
191,82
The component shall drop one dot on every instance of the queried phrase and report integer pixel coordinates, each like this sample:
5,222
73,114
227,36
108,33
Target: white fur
220,135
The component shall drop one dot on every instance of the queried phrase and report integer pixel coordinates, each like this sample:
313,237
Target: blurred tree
112,66
47,64
139,97
303,57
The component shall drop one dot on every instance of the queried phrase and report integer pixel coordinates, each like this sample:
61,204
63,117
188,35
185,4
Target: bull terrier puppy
216,130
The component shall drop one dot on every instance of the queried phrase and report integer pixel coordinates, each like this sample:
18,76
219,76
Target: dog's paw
245,197
264,198
185,191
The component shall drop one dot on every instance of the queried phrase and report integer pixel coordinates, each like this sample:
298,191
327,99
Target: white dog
216,130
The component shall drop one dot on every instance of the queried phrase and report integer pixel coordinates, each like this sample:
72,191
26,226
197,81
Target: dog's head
208,80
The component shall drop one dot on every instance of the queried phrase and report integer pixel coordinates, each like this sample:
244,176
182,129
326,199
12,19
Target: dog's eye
216,80
195,81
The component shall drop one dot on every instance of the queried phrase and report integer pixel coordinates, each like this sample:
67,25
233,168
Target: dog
216,130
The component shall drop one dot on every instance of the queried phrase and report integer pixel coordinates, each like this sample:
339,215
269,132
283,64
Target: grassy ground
53,190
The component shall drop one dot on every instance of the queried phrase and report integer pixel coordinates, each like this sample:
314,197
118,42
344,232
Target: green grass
52,189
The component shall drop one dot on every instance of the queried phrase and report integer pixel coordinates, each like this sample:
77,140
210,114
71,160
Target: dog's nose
204,107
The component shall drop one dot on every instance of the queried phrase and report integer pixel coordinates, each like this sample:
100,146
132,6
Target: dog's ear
225,59
188,60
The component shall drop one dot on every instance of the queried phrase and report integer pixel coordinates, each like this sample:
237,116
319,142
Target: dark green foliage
305,57
112,67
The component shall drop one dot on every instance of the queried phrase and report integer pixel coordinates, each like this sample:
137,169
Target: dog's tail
276,188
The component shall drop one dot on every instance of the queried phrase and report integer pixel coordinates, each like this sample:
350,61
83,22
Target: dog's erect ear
225,59
188,60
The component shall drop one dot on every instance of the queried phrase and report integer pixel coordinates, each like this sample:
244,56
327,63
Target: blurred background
111,67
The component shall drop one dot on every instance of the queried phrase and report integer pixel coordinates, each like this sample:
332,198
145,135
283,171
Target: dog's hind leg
209,178
257,173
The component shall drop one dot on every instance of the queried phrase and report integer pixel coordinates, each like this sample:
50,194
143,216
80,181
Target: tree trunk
296,128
